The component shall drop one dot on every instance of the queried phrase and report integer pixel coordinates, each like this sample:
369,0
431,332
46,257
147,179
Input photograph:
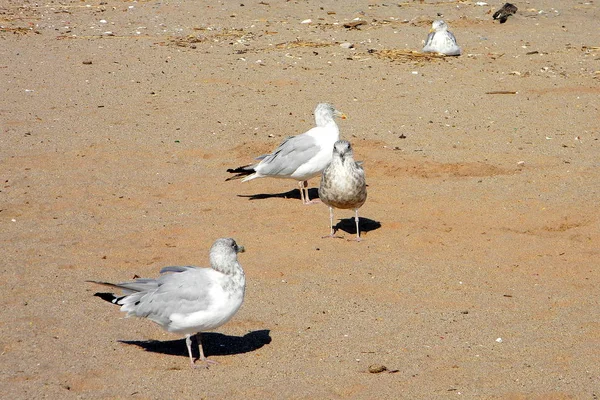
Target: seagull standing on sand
343,183
441,40
298,157
188,300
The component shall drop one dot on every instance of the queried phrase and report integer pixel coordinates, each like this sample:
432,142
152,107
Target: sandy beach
478,274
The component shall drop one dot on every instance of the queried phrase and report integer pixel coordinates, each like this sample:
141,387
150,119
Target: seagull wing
184,292
429,39
291,154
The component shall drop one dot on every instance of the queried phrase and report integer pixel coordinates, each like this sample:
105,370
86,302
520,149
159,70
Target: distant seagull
506,11
298,157
188,300
343,183
441,40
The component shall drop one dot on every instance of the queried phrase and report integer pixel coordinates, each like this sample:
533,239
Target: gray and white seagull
343,183
298,157
441,40
188,300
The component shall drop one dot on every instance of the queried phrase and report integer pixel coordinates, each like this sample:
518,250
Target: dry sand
478,276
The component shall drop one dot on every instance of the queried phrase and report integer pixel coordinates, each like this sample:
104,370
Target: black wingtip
240,171
110,297
245,169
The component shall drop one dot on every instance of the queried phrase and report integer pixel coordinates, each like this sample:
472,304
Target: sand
478,273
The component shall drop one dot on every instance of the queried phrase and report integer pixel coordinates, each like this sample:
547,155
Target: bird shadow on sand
292,194
214,344
364,224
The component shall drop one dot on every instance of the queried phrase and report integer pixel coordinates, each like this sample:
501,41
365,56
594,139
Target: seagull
298,157
188,300
504,12
343,183
441,40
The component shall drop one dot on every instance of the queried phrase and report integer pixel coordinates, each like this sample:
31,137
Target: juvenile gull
298,157
189,300
441,40
343,183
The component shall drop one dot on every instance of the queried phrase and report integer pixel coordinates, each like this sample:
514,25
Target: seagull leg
358,239
300,186
306,197
332,234
202,357
331,221
188,343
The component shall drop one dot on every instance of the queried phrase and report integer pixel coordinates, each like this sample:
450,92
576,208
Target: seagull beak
431,30
241,249
339,114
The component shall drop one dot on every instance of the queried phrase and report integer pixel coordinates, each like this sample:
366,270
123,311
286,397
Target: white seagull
188,300
298,157
441,40
343,183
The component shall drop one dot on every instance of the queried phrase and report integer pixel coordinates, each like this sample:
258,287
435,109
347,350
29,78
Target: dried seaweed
19,30
405,55
186,41
301,43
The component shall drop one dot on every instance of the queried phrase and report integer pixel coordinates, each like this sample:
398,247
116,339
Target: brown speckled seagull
343,184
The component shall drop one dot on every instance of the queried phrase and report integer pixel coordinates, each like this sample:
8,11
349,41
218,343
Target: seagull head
325,112
438,26
343,150
223,255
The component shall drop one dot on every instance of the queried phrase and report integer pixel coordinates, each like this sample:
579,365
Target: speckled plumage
343,183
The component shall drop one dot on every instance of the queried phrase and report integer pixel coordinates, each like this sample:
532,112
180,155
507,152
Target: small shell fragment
377,368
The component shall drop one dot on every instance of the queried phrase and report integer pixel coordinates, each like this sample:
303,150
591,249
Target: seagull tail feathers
240,172
129,301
